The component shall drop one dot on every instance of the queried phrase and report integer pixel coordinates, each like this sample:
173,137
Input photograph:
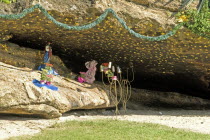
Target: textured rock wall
18,95
32,58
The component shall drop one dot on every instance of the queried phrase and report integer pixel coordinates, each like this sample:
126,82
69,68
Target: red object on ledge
105,64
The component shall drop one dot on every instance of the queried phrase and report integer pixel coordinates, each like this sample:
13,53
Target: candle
118,69
101,68
113,69
131,64
110,65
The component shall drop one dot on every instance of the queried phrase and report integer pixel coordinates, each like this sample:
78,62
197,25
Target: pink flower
48,83
114,78
81,80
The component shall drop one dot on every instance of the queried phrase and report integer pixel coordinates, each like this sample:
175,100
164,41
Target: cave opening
75,62
178,64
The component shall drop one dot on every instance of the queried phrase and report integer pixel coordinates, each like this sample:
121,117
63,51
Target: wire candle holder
126,92
115,89
126,86
119,88
115,92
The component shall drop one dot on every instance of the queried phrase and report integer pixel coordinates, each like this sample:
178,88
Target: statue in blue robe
48,53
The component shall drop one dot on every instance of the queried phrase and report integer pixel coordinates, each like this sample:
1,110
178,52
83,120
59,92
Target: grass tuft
112,130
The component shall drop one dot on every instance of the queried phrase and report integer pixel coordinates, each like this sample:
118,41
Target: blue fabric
46,57
42,66
37,83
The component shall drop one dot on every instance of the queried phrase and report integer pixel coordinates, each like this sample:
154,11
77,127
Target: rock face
18,95
181,62
15,55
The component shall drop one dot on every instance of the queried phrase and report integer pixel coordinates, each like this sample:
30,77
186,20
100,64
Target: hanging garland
94,23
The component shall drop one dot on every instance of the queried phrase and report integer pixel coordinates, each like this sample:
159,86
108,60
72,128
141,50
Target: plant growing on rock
198,22
8,1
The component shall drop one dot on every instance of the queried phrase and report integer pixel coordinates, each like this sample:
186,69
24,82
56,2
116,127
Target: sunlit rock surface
18,95
180,63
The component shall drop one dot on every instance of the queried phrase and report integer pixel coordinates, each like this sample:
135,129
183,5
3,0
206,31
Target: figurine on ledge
47,57
89,76
46,77
47,53
47,74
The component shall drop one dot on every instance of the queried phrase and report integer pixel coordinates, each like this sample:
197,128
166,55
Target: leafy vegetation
112,130
8,1
198,22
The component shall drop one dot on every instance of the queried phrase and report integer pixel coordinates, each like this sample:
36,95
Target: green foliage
198,22
109,73
44,75
202,3
8,1
113,130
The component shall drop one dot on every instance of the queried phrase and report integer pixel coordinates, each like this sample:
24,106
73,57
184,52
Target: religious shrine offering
89,76
47,74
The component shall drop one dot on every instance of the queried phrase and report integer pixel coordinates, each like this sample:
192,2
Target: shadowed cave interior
180,82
